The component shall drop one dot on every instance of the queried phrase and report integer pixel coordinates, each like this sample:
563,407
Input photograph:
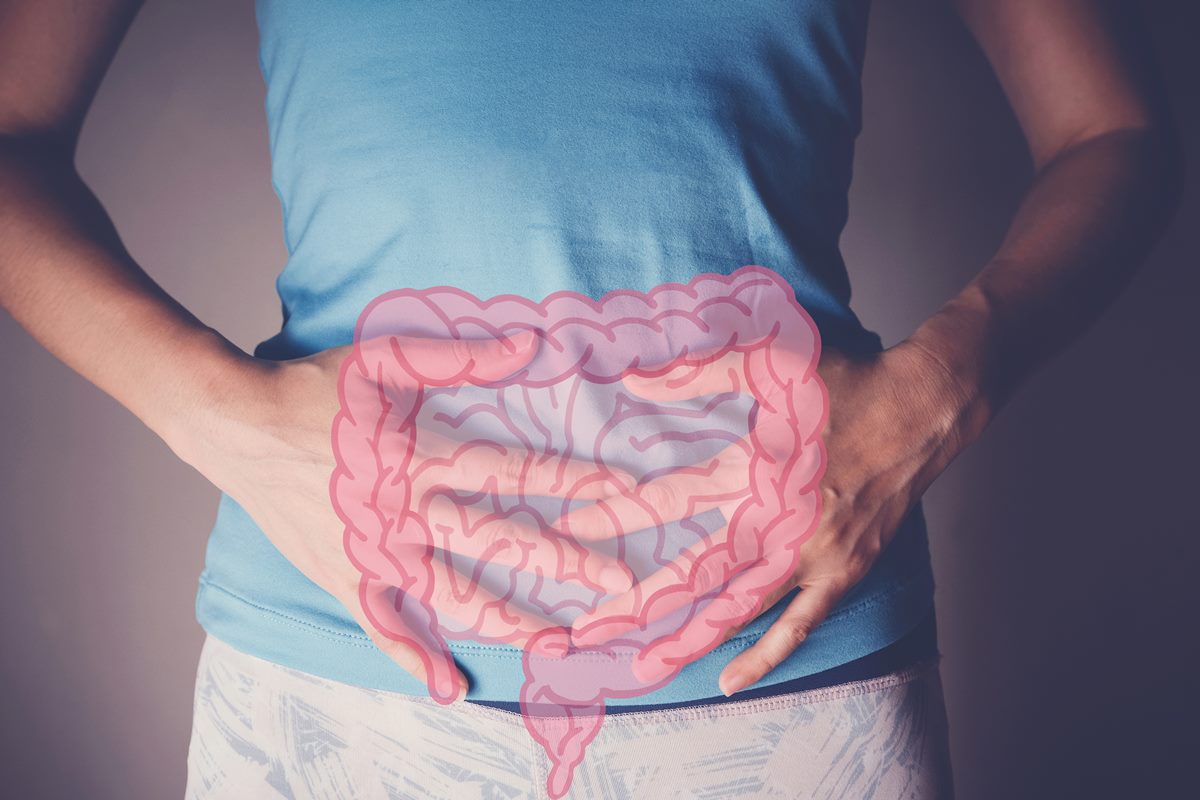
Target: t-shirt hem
495,672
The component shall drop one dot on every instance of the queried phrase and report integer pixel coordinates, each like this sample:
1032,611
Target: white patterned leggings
261,730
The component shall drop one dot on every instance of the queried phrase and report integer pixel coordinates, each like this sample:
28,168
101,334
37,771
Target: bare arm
64,274
1106,181
1107,171
258,429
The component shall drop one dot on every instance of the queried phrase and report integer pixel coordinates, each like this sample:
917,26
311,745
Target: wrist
214,388
956,342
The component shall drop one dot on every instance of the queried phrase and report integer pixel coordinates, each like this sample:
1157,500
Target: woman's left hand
895,420
895,423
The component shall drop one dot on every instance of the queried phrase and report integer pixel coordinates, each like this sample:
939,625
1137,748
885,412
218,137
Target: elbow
34,160
1154,156
1146,144
38,147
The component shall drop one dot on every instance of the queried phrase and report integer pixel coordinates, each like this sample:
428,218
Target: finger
450,362
684,493
769,599
724,479
715,569
698,570
758,371
811,606
428,661
481,611
482,465
710,375
511,540
737,602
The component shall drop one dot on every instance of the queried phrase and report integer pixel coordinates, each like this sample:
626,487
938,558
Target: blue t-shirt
531,147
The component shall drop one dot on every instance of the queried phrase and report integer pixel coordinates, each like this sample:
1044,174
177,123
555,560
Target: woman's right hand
263,437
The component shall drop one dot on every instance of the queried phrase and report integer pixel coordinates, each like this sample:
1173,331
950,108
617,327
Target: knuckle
766,660
499,534
872,550
796,629
835,557
742,605
834,582
462,350
704,580
511,469
855,565
835,496
661,497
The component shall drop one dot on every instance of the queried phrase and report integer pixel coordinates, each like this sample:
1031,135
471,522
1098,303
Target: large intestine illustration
696,412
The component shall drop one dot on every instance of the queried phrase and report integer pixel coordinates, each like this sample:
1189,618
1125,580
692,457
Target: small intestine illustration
696,412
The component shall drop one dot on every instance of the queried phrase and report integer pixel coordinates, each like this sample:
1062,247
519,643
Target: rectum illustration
607,484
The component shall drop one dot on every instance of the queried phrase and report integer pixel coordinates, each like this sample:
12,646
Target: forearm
67,279
1079,235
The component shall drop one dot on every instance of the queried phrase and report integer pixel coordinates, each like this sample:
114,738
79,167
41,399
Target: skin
1106,181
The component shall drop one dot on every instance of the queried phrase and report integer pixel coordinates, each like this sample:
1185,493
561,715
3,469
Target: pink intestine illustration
697,407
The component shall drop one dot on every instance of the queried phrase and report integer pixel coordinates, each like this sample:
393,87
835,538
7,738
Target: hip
251,597
263,730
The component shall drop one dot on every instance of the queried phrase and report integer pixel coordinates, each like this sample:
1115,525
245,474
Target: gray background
1064,542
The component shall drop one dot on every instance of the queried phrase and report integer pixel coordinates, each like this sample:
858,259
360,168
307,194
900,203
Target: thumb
448,362
712,374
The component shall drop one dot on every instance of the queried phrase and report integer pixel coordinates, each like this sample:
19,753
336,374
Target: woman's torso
528,148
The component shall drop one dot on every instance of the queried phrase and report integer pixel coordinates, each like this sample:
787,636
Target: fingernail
521,340
552,647
730,683
651,670
453,688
